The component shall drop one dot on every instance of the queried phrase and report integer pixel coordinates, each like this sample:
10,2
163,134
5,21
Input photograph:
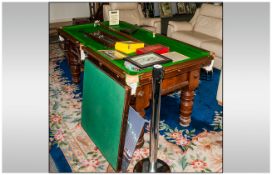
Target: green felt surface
102,111
143,35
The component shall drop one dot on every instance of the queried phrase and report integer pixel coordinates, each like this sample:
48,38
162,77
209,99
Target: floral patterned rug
182,149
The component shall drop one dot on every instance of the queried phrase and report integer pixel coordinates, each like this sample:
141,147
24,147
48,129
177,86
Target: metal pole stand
152,164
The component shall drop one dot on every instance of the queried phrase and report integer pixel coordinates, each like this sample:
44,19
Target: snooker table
178,76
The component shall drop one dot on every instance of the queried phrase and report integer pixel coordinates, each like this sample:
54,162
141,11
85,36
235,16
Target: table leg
187,98
186,107
75,69
73,60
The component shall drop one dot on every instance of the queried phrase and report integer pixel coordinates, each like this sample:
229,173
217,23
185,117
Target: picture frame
181,7
146,60
165,9
186,8
191,8
113,54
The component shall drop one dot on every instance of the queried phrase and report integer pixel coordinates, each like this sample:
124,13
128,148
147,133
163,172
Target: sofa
204,30
132,13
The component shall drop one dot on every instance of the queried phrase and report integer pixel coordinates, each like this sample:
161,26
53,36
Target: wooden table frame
182,77
72,51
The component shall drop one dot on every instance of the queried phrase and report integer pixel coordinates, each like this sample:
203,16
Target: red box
157,48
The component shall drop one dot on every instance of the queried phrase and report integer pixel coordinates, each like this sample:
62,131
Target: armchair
204,30
132,13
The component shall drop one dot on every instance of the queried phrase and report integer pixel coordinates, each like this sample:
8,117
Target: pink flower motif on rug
182,141
56,119
199,165
176,135
141,153
90,163
206,140
59,136
68,88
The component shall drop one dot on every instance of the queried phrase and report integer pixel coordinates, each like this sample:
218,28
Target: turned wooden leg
186,107
187,98
75,70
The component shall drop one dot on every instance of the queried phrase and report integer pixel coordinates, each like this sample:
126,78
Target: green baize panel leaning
102,111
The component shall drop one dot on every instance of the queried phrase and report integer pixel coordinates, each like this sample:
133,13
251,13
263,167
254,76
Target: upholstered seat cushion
214,11
130,16
214,46
209,26
123,6
191,37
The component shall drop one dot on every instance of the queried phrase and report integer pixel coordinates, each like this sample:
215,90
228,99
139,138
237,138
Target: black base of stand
143,165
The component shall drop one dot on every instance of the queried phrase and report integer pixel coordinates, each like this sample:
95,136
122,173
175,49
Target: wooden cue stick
120,33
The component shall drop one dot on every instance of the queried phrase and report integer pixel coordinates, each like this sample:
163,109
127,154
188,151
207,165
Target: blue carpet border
59,159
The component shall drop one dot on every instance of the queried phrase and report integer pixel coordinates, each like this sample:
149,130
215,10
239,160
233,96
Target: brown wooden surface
124,128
